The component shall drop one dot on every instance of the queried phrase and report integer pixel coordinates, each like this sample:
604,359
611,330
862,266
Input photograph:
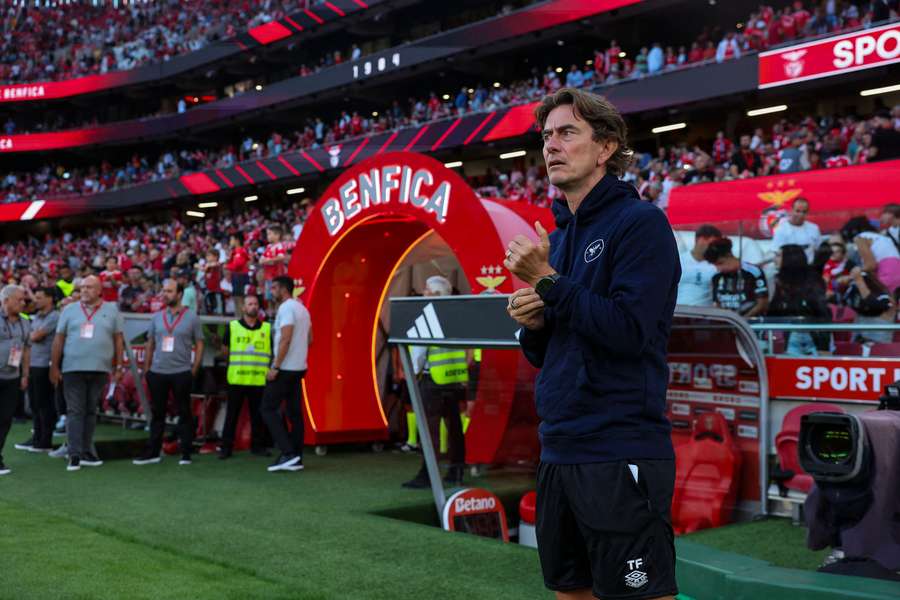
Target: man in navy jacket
596,321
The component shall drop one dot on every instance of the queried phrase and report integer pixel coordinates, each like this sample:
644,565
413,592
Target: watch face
543,286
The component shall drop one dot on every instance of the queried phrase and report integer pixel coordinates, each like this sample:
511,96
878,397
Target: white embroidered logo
594,250
636,578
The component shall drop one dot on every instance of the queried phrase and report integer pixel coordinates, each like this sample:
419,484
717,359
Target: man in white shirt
293,336
797,230
695,286
890,221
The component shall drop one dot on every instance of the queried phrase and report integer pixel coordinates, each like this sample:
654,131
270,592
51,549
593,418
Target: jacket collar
595,200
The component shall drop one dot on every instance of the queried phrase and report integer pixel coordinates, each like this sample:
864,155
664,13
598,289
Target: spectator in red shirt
275,258
696,53
722,148
239,267
214,300
110,281
801,16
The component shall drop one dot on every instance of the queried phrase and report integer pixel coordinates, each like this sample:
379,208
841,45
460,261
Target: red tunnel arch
358,233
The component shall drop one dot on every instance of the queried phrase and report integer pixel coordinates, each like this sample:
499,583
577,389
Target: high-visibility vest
447,365
66,287
249,353
476,355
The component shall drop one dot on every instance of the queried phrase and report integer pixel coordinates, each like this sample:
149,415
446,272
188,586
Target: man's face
111,264
15,303
724,265
272,236
134,277
170,294
65,273
798,213
251,306
42,300
702,242
277,291
745,141
837,252
90,289
889,220
570,152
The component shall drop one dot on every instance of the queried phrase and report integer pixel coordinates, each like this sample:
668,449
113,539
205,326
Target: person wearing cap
15,349
185,280
173,334
85,353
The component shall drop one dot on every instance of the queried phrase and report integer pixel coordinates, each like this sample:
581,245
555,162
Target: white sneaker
147,460
4,470
61,452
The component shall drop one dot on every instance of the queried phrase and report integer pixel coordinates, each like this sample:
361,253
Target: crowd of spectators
67,40
218,259
827,142
851,276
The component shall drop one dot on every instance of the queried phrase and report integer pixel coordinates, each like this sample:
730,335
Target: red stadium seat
707,475
786,445
527,507
842,314
891,350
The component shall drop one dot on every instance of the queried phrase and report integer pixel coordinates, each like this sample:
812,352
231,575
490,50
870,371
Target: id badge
15,357
168,343
87,331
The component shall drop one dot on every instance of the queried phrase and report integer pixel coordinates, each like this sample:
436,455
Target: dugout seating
791,475
707,476
527,509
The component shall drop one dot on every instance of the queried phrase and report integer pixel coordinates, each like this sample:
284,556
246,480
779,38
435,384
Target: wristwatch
545,284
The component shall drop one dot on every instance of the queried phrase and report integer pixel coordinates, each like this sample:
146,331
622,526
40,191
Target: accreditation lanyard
87,328
16,347
168,341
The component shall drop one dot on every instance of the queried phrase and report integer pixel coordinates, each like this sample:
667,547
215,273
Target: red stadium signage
831,56
859,379
476,511
834,194
415,185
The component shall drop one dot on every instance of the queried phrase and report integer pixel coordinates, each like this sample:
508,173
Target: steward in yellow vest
248,343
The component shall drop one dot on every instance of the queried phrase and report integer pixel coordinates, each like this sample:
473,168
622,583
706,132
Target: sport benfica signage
860,379
830,56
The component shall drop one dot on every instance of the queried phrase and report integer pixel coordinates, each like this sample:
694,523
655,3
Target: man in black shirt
885,139
745,158
738,286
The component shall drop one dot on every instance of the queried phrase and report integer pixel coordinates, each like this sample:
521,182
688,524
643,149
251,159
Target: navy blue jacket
601,392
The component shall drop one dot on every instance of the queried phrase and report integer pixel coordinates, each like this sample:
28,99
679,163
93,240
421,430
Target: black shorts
597,528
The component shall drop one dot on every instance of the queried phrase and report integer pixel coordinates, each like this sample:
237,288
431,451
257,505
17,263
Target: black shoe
147,458
454,476
4,470
285,462
74,463
419,482
27,446
185,459
260,452
90,460
224,453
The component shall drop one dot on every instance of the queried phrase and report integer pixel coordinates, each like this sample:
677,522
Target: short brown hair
893,209
603,117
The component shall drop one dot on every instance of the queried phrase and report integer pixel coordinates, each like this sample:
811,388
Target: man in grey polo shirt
40,390
174,332
14,360
89,345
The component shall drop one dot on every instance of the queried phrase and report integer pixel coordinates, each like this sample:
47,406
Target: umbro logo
594,250
636,578
426,325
